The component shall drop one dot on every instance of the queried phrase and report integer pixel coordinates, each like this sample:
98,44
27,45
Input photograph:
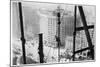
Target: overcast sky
31,17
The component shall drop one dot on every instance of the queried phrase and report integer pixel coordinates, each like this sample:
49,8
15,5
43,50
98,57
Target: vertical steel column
22,32
41,48
86,31
74,33
59,22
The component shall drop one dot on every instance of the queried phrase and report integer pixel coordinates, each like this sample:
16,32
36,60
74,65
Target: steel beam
82,28
41,48
74,34
86,30
22,32
88,48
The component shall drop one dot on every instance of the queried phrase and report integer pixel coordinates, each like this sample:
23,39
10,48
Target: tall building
52,31
63,31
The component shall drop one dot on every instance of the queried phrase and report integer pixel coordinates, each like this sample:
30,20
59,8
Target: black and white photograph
52,33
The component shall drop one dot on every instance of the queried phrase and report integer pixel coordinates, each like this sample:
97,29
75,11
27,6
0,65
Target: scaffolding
56,30
87,34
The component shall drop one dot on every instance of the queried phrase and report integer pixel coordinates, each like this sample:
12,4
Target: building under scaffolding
58,36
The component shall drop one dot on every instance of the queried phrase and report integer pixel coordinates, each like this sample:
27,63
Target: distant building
53,31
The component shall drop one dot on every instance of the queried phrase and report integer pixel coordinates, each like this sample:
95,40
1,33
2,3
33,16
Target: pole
41,48
59,22
74,33
22,32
